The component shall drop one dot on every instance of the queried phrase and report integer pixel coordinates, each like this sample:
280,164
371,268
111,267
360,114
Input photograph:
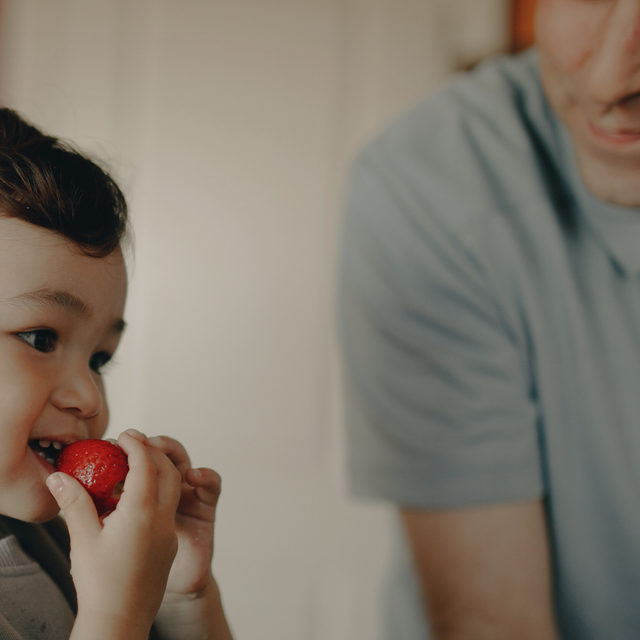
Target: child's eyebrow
61,299
66,301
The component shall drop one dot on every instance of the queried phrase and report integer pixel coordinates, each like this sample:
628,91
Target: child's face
60,321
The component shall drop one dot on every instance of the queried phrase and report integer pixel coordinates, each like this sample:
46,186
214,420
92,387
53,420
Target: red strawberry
100,466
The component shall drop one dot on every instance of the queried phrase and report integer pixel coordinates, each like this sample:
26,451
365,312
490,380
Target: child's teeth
51,461
57,445
42,454
44,443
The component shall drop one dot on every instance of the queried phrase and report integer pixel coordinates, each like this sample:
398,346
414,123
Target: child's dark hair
46,182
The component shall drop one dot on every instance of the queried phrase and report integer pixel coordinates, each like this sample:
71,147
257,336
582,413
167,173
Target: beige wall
230,123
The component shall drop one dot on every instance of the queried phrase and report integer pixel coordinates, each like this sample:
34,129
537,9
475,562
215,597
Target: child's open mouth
47,449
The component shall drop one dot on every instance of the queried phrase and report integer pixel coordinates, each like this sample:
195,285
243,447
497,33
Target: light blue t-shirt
490,318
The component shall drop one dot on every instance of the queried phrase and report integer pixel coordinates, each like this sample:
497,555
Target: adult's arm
485,571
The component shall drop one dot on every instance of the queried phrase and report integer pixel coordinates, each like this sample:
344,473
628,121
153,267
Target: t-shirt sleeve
439,409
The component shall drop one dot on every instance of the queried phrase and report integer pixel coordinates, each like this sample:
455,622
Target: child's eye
98,360
43,340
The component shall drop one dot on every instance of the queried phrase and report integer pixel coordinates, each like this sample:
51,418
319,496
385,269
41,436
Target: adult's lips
616,137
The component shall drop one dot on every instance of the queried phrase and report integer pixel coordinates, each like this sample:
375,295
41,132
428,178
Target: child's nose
78,392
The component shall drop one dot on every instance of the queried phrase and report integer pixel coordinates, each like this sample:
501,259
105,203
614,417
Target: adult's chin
610,177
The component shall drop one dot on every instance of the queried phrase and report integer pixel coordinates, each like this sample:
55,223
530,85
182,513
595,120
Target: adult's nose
614,64
77,391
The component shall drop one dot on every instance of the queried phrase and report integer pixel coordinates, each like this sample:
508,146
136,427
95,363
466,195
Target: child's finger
152,478
173,450
142,480
134,433
206,483
169,480
76,504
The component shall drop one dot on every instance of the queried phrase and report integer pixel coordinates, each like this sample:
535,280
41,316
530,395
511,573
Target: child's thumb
76,504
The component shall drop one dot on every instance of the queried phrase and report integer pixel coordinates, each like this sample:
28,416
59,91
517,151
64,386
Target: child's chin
43,519
37,513
45,516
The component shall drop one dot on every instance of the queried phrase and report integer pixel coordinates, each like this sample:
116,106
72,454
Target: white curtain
230,124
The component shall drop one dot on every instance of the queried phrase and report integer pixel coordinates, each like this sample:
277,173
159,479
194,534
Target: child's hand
199,492
191,607
120,567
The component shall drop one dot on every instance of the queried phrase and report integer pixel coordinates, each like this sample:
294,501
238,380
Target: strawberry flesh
100,467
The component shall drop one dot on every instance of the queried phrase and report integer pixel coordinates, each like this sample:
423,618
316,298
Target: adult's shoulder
429,299
470,149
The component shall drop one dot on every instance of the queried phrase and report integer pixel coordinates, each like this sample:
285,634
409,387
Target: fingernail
134,433
55,483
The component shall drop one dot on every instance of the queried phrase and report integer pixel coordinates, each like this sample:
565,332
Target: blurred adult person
490,316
